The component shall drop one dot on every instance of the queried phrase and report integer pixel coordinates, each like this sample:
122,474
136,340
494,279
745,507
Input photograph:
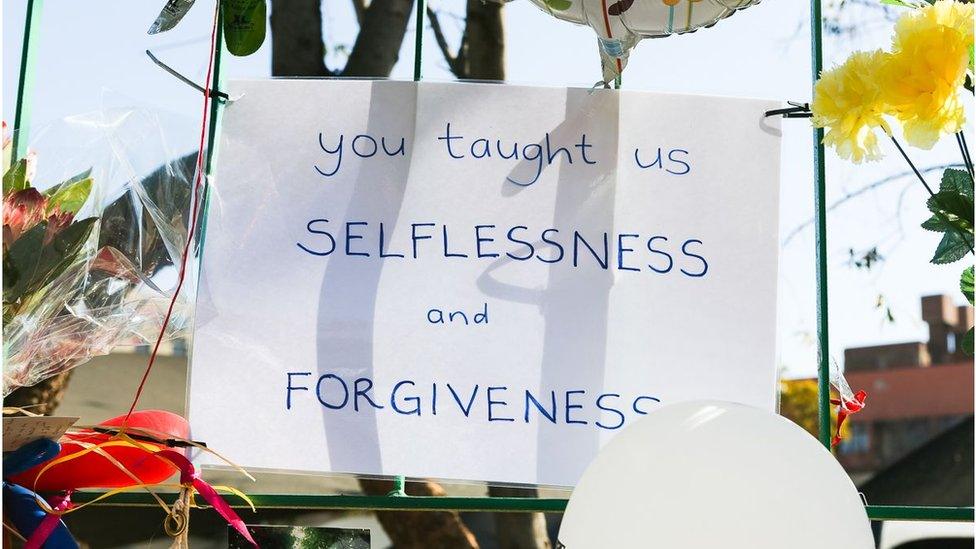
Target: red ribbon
49,522
189,475
847,407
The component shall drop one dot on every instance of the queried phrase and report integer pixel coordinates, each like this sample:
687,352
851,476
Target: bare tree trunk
42,398
484,41
421,529
377,47
481,56
519,530
297,48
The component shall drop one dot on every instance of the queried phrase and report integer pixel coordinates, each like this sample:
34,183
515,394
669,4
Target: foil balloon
101,469
621,24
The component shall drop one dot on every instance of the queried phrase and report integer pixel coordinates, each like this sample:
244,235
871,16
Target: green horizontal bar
379,503
499,504
912,512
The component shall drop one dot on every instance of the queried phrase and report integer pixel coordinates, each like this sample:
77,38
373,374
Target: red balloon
95,471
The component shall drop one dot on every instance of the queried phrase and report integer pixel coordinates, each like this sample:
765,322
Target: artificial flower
57,221
923,76
24,209
847,101
950,13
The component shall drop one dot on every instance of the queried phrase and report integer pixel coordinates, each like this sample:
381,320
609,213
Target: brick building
916,390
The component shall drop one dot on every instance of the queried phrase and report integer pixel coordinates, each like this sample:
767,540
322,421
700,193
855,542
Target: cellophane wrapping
117,289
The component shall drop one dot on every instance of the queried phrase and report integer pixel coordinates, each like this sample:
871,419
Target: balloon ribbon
49,522
847,407
190,477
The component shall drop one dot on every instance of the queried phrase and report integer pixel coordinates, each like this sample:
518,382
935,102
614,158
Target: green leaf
61,252
952,207
16,177
957,180
559,5
20,262
29,264
937,223
967,342
956,207
70,197
244,25
953,247
74,179
966,283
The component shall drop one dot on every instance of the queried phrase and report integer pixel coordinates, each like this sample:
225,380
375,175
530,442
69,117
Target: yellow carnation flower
947,13
926,70
847,102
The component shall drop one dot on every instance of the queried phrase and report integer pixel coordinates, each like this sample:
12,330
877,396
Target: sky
91,66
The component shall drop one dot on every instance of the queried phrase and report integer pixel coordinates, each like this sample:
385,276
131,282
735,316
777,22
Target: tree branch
858,192
453,61
377,47
483,45
297,46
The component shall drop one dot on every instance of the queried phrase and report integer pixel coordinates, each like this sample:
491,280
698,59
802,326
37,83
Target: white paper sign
475,281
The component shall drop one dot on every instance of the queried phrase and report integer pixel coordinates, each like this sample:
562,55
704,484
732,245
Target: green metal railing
397,500
467,504
25,85
820,206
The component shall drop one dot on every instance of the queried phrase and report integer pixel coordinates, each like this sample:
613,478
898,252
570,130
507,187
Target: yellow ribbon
121,439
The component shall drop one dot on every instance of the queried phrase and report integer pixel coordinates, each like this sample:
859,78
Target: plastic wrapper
848,403
116,289
839,383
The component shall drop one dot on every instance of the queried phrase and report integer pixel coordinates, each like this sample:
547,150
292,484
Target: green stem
967,238
964,149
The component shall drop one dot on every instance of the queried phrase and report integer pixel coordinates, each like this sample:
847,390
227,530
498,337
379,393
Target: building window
858,441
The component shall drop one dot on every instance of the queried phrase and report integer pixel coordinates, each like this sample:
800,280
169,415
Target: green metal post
25,84
399,486
820,205
400,482
215,103
213,131
418,42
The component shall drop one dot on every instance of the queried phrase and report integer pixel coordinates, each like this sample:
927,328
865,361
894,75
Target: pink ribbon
189,475
49,522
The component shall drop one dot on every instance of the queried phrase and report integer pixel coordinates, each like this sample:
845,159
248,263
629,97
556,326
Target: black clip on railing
795,110
169,442
213,93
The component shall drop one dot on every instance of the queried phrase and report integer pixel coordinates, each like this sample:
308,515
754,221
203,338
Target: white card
492,301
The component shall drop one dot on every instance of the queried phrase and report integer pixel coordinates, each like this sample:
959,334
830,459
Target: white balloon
620,24
715,474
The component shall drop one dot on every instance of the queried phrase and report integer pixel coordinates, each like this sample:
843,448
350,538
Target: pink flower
21,211
24,209
57,221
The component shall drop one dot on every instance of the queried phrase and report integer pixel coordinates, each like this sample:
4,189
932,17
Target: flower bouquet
81,271
78,275
918,84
